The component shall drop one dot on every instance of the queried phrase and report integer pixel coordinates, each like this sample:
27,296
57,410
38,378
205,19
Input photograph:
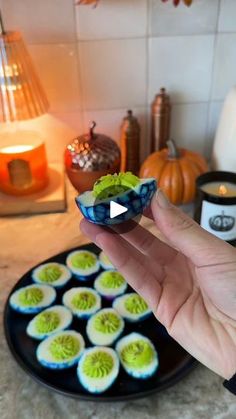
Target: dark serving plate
175,362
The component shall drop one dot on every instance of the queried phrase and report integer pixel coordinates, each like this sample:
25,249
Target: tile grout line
212,80
79,70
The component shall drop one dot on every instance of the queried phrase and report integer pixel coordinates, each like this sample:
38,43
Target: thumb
187,236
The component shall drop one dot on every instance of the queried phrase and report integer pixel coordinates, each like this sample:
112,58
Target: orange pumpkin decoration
176,171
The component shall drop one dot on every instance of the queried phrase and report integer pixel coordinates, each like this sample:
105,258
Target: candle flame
223,190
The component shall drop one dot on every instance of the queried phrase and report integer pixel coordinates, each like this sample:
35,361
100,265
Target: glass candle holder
215,205
23,164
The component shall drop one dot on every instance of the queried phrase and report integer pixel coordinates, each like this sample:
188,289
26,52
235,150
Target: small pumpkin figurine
176,171
222,222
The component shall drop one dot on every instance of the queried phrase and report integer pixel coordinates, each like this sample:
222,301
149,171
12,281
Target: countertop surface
24,242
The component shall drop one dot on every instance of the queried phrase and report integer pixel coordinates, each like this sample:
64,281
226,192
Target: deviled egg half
137,355
98,368
55,274
132,307
110,284
104,327
124,189
49,321
82,301
83,264
61,350
105,261
32,298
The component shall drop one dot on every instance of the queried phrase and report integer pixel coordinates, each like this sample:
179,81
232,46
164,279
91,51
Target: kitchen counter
25,241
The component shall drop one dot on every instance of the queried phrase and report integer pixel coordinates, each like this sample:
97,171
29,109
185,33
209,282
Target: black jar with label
215,206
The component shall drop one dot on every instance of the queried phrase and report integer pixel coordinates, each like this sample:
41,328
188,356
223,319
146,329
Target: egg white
102,339
98,385
144,372
65,316
67,301
64,278
119,305
82,274
49,296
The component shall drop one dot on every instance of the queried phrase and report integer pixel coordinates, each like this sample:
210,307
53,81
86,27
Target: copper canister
161,114
130,144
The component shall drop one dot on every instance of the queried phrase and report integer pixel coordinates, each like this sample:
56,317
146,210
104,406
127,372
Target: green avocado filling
135,304
98,364
106,259
83,300
112,185
64,347
112,280
50,273
107,323
83,260
30,296
47,322
137,354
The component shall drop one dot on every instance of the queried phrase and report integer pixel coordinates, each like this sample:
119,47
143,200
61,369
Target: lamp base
51,199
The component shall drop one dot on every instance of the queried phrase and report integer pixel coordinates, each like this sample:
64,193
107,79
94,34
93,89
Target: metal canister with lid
161,114
89,157
130,144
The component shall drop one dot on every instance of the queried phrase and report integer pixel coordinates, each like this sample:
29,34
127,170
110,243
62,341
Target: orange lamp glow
23,164
21,94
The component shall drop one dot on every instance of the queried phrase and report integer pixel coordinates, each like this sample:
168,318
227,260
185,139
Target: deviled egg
98,368
49,321
105,261
125,189
104,327
61,350
32,298
82,301
132,307
137,355
55,274
83,264
110,284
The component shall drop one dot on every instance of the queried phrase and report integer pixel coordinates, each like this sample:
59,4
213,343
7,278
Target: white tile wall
112,19
224,76
113,73
183,64
41,21
96,63
201,17
227,21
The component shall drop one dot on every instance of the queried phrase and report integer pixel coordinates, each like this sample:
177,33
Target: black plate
175,363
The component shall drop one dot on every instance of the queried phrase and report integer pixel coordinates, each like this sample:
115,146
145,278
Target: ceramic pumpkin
176,171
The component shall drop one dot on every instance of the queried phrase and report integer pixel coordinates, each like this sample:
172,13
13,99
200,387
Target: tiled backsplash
96,63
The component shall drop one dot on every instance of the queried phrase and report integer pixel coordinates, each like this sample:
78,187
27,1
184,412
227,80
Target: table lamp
23,163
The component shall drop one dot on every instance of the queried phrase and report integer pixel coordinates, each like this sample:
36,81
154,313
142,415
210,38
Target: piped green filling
98,364
112,280
50,273
83,260
64,347
47,322
107,323
30,296
111,185
137,354
83,300
135,304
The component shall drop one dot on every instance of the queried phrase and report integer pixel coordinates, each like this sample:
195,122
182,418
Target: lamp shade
21,94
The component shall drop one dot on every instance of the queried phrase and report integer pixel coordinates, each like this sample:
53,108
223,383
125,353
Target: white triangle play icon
116,209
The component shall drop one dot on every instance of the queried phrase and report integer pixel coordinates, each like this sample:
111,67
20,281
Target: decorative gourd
176,171
222,222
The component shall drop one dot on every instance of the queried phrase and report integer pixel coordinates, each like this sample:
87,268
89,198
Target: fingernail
162,199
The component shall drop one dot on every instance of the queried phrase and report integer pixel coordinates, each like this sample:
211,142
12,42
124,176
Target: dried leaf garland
95,2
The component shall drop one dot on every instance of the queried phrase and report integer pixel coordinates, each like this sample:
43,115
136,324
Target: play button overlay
116,209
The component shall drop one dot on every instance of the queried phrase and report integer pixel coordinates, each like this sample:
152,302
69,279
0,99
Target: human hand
189,283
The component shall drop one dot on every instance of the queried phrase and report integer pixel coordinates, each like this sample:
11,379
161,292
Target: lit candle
215,207
23,164
225,189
